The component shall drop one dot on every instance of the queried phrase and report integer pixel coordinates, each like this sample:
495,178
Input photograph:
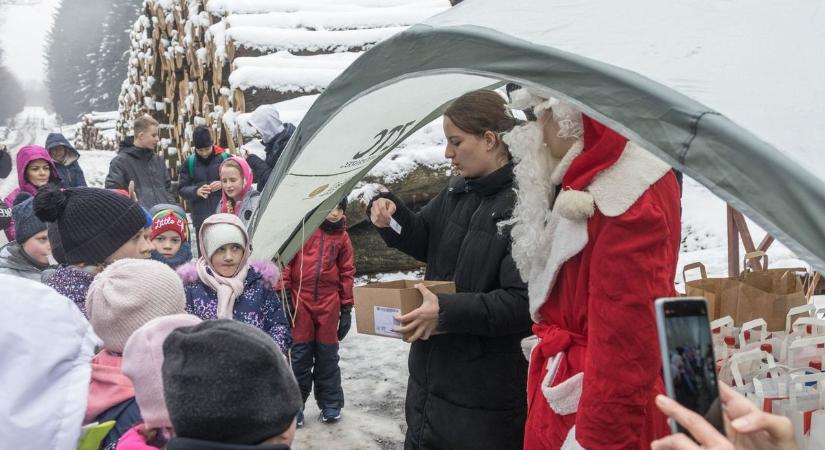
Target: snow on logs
196,62
97,130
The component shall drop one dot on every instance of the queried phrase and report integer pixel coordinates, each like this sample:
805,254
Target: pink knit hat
142,361
130,293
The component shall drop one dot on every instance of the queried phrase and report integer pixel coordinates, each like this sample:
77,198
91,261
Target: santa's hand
381,212
420,323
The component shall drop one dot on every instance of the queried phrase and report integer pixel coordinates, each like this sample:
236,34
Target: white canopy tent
731,93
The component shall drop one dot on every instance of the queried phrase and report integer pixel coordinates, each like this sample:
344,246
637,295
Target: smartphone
688,362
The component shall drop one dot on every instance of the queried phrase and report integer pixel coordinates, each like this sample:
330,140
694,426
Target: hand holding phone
688,361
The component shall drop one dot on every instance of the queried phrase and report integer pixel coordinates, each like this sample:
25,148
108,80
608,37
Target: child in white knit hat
121,299
223,284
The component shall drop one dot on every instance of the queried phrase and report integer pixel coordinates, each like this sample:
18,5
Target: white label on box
395,226
384,319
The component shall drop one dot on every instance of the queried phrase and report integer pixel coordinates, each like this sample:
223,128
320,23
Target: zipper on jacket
318,269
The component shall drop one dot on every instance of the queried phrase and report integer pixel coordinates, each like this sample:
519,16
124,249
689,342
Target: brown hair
143,123
477,112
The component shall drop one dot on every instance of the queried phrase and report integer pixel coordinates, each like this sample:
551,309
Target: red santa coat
596,369
320,279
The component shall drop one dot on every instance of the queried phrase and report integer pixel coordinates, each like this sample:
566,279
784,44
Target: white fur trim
531,240
618,187
571,443
575,205
568,238
564,397
529,344
558,172
523,99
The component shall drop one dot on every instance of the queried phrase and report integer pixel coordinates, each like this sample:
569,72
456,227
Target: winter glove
345,322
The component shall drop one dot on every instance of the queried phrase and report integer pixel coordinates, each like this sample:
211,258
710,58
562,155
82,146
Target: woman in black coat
467,384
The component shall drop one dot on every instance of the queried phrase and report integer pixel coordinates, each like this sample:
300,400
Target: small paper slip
395,226
384,319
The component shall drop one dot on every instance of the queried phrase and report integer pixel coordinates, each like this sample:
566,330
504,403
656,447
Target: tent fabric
730,93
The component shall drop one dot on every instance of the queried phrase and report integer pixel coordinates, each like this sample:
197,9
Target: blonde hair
230,202
143,123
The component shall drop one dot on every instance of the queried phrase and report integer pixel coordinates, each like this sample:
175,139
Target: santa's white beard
535,191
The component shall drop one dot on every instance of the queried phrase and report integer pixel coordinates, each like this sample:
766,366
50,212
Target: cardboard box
377,304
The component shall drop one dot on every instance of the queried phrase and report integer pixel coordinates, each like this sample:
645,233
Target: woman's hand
421,322
381,212
747,427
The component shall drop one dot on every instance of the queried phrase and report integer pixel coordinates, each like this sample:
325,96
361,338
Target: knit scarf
183,256
227,288
108,386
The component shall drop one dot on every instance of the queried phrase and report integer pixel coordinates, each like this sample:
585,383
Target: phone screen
687,357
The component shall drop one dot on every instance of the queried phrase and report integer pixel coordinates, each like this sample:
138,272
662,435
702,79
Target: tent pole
733,244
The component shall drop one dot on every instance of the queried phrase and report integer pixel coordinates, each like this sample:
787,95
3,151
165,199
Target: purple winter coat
258,305
73,283
26,155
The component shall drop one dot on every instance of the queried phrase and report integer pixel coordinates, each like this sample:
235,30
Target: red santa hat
602,148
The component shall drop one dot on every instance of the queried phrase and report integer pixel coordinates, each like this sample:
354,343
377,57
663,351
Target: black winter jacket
147,170
261,170
206,171
467,387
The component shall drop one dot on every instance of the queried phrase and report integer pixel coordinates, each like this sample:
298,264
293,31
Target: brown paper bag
720,293
768,294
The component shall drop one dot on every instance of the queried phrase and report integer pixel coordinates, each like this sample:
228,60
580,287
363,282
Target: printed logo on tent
385,140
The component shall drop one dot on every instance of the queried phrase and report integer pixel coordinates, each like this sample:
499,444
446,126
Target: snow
224,7
283,71
339,20
277,39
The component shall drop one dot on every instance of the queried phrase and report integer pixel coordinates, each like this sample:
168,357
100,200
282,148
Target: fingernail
662,400
741,423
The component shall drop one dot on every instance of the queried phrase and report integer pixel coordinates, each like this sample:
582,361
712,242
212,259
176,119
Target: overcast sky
23,28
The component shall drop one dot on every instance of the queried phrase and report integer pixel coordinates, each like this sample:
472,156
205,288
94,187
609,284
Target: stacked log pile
211,62
97,131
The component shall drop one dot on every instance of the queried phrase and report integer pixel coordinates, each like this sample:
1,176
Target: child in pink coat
142,362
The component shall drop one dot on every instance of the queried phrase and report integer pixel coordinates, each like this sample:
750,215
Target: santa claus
596,234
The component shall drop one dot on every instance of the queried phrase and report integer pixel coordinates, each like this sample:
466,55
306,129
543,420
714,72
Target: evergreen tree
86,54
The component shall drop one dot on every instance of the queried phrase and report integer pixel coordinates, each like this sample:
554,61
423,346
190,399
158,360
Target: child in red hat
170,237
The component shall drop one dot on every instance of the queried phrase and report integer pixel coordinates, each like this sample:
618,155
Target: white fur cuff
528,344
571,443
564,398
575,205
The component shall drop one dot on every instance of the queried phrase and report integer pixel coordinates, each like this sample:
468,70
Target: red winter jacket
322,275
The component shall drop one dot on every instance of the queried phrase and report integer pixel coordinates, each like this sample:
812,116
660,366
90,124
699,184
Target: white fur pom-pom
523,99
575,205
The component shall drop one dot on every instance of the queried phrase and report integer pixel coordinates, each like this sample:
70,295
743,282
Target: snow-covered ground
374,369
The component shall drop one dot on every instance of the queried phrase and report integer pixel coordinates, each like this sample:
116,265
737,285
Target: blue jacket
69,169
258,305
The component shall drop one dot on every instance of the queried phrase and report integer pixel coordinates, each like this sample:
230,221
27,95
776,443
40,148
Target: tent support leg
733,244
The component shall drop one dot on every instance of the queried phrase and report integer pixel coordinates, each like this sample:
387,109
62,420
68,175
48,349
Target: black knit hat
93,223
226,381
55,243
201,138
